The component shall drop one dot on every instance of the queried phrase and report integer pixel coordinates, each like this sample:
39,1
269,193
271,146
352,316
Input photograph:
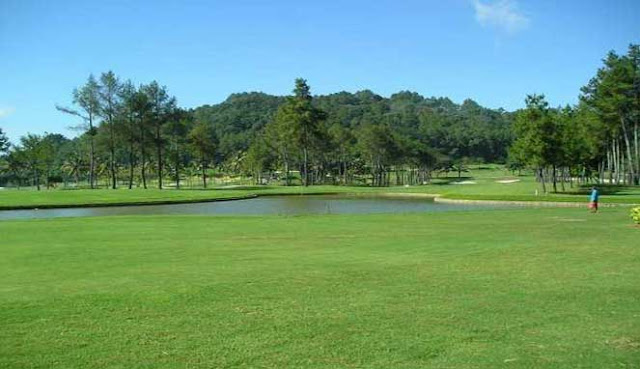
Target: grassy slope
543,288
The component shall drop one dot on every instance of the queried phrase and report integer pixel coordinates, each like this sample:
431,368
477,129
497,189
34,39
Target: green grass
528,288
61,198
485,187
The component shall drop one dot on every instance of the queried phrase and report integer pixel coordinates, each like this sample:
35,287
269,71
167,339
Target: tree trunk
305,166
159,153
601,172
143,170
637,152
620,160
542,179
374,172
344,172
92,163
177,167
286,169
131,164
36,178
143,157
112,156
610,164
616,162
630,159
113,170
204,173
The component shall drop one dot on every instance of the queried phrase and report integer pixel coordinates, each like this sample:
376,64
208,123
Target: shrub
635,214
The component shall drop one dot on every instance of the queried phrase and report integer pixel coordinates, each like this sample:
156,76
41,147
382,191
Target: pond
276,205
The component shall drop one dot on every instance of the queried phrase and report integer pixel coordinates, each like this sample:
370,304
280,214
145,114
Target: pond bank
291,205
96,200
127,203
556,204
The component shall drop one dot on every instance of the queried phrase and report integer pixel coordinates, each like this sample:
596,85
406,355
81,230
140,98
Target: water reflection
280,205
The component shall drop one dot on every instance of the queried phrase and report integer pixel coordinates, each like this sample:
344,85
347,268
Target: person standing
593,199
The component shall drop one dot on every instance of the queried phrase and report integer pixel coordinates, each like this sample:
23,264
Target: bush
635,214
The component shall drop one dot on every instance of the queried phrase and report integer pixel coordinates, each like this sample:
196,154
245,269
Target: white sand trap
465,182
507,181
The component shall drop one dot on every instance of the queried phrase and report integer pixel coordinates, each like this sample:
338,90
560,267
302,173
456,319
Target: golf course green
489,185
523,288
320,185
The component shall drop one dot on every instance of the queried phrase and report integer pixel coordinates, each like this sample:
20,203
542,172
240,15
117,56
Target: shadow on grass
613,190
606,190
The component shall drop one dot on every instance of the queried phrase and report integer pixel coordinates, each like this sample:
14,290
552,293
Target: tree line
134,135
597,140
138,136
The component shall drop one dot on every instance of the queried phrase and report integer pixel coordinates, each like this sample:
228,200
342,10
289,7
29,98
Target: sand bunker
465,182
508,181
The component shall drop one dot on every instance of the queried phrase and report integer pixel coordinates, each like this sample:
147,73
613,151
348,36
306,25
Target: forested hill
456,131
136,134
237,120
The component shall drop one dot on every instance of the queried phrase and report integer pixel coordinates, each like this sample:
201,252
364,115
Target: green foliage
258,159
380,148
480,133
238,119
534,129
486,188
320,136
202,142
299,123
353,137
635,215
613,96
4,142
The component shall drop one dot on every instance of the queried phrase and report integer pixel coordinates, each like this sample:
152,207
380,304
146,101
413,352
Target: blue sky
494,52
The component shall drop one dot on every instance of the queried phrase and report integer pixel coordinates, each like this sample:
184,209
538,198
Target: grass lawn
483,189
525,288
61,198
481,183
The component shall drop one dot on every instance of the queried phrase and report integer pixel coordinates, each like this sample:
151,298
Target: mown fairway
482,189
482,183
65,198
526,288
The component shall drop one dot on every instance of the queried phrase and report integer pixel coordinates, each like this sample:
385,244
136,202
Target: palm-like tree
73,165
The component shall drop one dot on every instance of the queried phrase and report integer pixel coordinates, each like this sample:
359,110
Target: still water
277,205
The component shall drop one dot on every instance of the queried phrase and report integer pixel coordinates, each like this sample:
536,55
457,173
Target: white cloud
502,14
5,112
